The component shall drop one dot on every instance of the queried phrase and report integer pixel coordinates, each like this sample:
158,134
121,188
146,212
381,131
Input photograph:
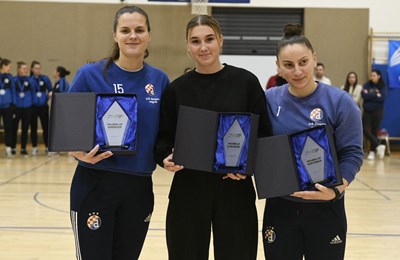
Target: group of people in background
24,100
370,98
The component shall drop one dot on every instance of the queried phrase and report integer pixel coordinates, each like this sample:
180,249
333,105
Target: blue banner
210,1
394,64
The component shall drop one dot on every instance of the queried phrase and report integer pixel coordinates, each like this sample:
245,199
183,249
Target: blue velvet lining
129,105
319,135
225,122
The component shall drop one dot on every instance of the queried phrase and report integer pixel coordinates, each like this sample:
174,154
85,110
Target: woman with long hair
40,109
374,95
352,87
202,201
312,223
61,83
112,195
23,98
7,103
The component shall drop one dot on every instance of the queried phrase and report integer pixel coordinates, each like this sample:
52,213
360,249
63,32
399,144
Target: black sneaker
24,152
13,151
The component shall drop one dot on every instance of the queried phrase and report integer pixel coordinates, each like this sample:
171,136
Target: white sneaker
34,150
8,152
380,151
371,155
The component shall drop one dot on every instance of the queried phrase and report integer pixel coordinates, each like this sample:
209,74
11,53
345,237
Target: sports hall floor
34,210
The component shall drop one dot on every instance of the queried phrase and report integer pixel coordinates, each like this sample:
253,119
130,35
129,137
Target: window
254,31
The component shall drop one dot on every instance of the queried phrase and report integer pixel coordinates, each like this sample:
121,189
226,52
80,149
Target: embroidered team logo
94,221
270,235
316,114
150,89
26,83
6,80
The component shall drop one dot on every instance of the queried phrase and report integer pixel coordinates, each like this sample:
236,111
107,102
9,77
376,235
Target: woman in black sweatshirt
199,201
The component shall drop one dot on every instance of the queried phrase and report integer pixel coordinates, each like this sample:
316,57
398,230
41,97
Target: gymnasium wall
340,38
71,34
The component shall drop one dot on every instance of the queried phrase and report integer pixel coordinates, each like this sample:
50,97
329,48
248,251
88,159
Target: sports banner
210,1
394,64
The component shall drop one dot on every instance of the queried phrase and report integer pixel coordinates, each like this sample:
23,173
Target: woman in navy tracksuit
374,94
23,97
111,196
61,84
312,223
6,102
40,107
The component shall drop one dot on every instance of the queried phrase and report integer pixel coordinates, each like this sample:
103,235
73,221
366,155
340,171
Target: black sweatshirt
231,89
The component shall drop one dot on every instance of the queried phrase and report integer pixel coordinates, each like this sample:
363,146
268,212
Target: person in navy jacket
6,102
61,84
24,87
40,109
374,95
310,223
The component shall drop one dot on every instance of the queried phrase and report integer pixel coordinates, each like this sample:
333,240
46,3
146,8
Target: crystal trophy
312,157
314,154
234,141
115,123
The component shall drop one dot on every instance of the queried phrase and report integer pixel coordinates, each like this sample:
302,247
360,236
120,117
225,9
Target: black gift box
196,139
276,173
72,124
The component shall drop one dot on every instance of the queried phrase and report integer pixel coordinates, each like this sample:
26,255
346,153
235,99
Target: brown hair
293,34
33,64
4,62
207,21
62,71
20,64
347,83
115,50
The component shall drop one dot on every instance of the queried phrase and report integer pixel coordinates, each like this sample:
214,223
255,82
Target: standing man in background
319,74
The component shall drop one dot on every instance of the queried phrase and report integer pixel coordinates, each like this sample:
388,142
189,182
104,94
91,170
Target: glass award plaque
312,151
116,122
312,158
216,142
232,143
